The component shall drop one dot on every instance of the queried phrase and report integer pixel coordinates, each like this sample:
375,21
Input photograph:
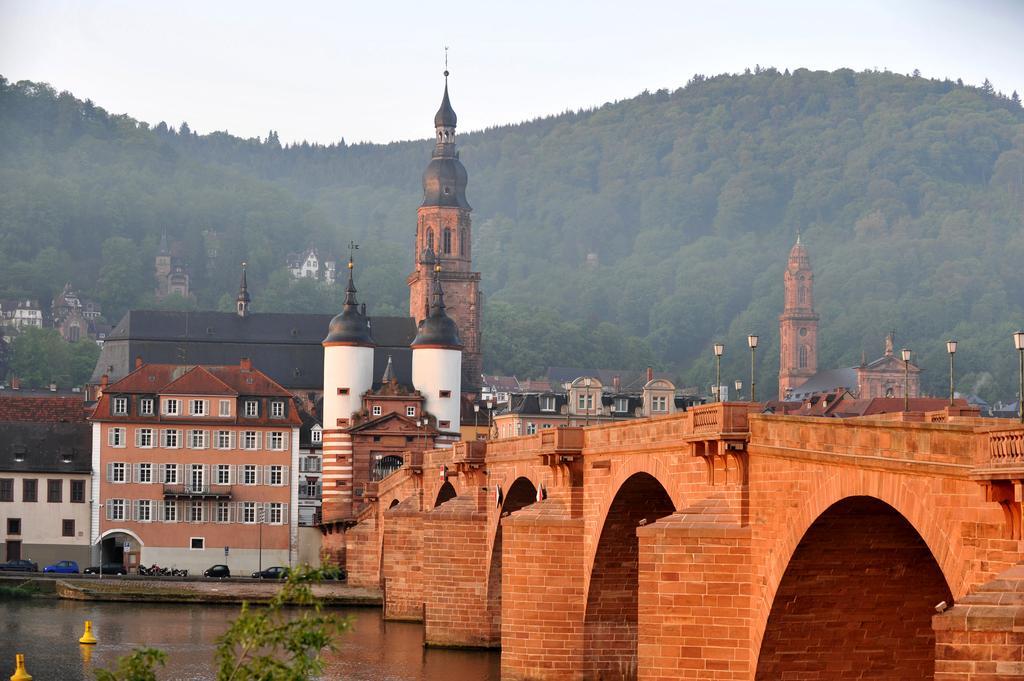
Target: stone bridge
717,543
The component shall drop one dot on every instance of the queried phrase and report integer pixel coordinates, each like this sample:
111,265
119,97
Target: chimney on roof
617,383
138,361
245,364
650,374
15,383
104,379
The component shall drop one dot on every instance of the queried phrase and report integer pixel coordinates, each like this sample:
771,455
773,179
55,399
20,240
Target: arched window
430,239
447,241
803,356
803,294
462,242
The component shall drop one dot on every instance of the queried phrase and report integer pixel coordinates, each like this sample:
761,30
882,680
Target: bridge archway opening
856,600
394,502
522,493
610,622
446,493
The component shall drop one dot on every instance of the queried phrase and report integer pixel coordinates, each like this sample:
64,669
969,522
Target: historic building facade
444,237
195,466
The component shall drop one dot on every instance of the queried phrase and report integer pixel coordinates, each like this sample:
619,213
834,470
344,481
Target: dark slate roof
45,446
529,403
445,116
826,381
437,328
444,183
285,346
630,380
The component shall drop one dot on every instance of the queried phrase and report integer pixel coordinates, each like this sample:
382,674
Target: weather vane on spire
352,248
446,61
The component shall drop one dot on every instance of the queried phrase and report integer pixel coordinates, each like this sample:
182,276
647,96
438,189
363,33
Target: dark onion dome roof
445,116
444,183
438,329
243,289
351,326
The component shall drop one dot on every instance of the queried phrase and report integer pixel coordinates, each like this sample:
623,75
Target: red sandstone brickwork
981,638
856,601
455,539
362,553
542,594
402,562
694,598
610,623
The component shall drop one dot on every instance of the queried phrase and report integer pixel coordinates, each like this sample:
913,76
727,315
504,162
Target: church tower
798,324
444,238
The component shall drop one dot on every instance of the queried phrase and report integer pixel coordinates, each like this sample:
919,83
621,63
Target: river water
47,632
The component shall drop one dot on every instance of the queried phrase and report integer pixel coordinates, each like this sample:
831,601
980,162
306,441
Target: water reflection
374,650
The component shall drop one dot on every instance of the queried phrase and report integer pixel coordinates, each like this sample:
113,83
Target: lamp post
719,348
490,417
586,403
951,349
905,354
752,342
476,420
739,388
1018,342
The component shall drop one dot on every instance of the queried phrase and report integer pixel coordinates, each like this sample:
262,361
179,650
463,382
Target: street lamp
752,342
476,420
490,417
587,403
739,388
1018,342
719,348
951,349
905,354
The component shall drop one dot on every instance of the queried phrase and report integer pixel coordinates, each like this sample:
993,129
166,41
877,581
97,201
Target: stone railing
1006,447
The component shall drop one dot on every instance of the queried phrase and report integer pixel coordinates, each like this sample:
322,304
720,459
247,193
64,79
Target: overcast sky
371,71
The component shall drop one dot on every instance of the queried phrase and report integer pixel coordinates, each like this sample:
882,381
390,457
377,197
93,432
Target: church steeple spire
244,299
798,324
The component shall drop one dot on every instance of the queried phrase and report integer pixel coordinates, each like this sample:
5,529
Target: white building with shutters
197,466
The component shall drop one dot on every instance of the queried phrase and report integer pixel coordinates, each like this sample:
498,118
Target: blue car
65,567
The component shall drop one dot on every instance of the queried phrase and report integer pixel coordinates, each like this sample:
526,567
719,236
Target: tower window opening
803,357
803,295
462,242
447,241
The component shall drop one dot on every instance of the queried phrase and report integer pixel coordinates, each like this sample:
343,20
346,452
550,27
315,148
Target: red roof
197,381
886,405
175,379
50,409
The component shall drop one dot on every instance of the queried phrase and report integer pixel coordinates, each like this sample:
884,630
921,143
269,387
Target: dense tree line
637,232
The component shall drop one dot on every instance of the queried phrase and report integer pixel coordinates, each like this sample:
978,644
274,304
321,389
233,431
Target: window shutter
110,506
231,440
160,476
110,474
285,480
259,439
206,475
284,515
137,474
138,437
259,476
181,475
284,440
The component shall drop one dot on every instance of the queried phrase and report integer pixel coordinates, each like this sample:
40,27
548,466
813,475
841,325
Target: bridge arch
520,494
855,598
445,493
610,619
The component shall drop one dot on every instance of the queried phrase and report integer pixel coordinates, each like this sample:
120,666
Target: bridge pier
542,598
455,540
402,562
695,588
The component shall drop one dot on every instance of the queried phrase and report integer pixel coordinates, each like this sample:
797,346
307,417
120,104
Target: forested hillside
909,194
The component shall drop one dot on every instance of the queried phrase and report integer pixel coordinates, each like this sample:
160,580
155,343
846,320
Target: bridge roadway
717,543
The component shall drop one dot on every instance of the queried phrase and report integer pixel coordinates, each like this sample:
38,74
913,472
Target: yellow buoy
87,637
19,670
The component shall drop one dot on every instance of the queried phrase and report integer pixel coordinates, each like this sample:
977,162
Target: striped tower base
337,478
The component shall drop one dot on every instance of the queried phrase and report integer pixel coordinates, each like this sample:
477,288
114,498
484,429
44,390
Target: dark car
19,565
217,571
335,572
107,569
276,572
64,567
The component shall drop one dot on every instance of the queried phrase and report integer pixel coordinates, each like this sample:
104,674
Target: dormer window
120,406
547,403
252,408
277,409
172,407
659,404
316,435
376,410
146,406
621,405
197,407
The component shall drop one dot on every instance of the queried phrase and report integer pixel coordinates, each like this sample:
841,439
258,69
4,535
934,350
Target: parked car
335,572
107,569
217,571
276,572
19,565
64,567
